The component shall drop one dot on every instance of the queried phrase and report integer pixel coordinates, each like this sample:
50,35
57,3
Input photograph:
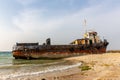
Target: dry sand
103,67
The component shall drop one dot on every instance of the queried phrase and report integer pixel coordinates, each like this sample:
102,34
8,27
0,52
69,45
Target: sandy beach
99,67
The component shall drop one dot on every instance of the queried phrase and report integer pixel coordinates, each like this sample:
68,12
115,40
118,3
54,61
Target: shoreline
47,74
99,67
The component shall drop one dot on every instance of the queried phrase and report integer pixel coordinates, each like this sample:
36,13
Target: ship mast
85,34
85,25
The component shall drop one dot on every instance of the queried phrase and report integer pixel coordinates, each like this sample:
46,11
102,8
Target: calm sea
12,68
6,58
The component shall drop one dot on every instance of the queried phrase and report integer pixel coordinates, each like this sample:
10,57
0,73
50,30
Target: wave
49,69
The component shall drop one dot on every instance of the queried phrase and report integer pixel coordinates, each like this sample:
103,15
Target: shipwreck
89,44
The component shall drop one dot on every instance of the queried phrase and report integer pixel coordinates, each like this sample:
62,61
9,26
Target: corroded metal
58,51
34,50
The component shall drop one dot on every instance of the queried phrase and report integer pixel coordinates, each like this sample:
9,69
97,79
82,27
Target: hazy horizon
60,20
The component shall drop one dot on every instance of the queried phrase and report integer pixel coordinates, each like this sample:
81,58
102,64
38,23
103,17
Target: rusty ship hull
59,51
90,44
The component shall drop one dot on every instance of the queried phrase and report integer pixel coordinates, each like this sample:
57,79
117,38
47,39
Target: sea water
5,58
10,67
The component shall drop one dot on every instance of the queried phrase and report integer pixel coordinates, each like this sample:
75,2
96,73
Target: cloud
31,20
26,2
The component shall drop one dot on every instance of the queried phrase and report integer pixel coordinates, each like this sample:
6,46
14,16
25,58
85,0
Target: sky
60,20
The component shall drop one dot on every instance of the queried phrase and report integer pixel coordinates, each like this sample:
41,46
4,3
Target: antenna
85,25
85,34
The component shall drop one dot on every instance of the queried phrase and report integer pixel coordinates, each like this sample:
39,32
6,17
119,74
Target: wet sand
102,67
